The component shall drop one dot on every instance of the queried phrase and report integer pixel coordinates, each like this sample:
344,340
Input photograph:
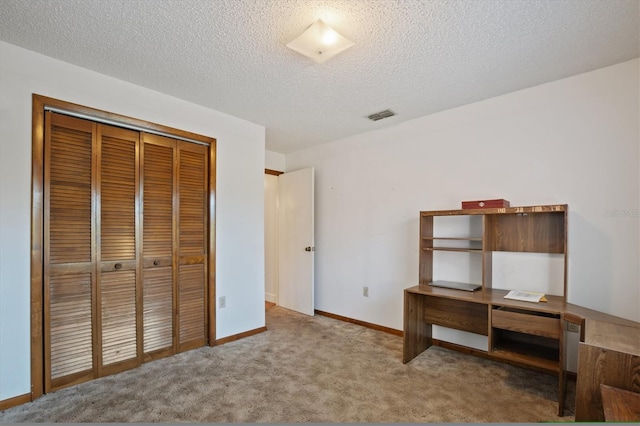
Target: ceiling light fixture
320,42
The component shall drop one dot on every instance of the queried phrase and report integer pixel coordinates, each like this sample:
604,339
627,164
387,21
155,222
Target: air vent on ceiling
380,115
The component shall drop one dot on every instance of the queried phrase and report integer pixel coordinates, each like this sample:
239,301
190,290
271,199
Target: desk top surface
615,337
556,305
620,405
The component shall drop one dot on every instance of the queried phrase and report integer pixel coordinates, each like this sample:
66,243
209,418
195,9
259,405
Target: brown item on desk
485,204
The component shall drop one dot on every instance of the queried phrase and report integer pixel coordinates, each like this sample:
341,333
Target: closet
125,248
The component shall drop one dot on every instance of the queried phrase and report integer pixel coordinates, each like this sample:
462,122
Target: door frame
39,104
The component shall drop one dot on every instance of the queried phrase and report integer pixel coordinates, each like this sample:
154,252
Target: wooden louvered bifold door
119,288
192,241
125,248
158,245
69,274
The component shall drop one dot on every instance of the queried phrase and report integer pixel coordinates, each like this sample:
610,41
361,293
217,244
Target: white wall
572,141
239,193
274,161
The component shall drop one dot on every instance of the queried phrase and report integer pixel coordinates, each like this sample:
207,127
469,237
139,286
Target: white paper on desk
525,296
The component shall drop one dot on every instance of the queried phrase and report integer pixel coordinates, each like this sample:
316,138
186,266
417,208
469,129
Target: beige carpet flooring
307,369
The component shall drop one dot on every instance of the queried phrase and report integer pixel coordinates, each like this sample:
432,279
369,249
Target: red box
485,204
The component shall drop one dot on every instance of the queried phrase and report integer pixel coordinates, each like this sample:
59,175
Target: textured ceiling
414,57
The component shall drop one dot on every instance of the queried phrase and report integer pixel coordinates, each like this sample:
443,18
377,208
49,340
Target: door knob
118,266
156,262
309,249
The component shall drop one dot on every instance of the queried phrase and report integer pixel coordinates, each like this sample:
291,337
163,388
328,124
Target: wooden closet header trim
80,111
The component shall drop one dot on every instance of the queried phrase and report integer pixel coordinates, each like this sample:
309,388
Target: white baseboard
270,297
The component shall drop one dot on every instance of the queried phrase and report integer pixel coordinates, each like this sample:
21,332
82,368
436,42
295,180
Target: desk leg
562,390
417,332
562,374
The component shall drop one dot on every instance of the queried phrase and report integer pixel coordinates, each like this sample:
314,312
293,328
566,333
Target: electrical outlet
365,291
222,302
573,327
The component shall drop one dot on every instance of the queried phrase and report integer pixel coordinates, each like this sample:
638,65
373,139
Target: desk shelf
466,250
537,351
479,239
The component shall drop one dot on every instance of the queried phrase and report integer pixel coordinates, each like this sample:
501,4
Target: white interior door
296,242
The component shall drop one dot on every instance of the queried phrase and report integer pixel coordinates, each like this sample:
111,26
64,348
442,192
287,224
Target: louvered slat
192,203
117,226
158,308
70,324
158,243
70,196
118,299
68,251
117,195
191,303
192,231
158,201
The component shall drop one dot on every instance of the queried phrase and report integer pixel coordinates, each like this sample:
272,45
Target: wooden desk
620,405
522,333
530,335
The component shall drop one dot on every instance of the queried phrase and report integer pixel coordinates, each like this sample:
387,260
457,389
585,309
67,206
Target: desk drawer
458,314
528,322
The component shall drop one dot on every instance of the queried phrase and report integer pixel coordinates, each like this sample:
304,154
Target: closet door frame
39,104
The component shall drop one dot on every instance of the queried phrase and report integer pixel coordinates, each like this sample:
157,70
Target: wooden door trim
14,401
211,267
37,241
39,104
272,172
115,119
